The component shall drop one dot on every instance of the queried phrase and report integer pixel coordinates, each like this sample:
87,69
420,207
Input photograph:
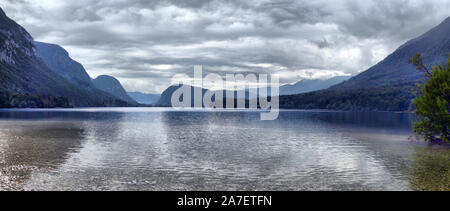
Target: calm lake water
165,149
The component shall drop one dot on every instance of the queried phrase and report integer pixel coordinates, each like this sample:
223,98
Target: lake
166,149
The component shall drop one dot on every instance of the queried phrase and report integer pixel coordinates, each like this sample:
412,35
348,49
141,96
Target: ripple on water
144,149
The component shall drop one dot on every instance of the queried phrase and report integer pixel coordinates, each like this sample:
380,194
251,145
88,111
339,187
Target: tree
432,102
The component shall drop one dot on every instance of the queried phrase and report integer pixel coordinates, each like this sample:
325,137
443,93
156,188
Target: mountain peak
106,77
16,42
54,47
58,59
112,86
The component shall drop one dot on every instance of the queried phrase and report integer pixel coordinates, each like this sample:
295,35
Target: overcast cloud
145,43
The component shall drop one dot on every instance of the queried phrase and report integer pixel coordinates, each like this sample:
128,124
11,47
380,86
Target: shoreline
212,109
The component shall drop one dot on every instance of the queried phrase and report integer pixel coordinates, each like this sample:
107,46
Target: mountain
144,98
112,86
299,87
166,97
306,85
26,81
58,59
386,86
434,46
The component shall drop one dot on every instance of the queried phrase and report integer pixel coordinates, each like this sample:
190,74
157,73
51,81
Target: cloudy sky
145,42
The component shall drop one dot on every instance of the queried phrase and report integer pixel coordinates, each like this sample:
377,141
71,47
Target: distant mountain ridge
58,59
144,98
166,97
112,86
302,86
308,85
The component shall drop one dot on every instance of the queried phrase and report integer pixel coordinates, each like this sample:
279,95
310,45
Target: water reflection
27,146
223,147
163,149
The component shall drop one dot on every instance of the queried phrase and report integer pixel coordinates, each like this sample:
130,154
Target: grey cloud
128,38
393,19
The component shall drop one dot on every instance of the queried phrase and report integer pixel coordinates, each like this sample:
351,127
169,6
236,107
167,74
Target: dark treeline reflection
58,114
373,120
361,119
27,146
